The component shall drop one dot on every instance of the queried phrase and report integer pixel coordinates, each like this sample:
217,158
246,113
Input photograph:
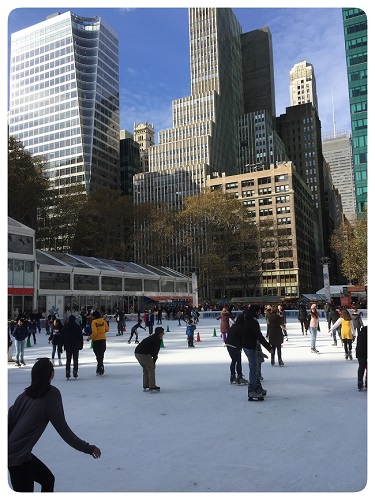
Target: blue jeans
313,333
20,350
253,368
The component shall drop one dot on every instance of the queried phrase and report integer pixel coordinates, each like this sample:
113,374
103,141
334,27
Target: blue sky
154,53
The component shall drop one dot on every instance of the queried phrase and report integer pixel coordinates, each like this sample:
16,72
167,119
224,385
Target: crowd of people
41,403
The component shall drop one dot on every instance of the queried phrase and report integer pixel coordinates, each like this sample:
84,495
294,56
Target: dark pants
304,325
347,345
236,363
33,334
362,368
69,354
23,476
150,329
99,347
276,348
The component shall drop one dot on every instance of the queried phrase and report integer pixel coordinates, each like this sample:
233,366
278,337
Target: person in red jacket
28,417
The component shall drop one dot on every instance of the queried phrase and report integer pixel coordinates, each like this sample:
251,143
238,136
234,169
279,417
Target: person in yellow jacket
99,328
347,331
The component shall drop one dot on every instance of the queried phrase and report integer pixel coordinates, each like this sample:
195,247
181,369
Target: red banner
20,291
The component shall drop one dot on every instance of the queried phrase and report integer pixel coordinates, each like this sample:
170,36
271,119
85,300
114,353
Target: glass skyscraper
355,33
64,99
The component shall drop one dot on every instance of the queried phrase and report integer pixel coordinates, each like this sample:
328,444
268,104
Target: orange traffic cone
198,337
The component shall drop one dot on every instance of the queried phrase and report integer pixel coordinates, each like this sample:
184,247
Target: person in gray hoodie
28,417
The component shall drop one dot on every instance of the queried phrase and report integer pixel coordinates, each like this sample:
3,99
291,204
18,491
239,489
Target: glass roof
81,261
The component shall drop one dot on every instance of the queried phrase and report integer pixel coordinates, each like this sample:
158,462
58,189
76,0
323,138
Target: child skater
190,333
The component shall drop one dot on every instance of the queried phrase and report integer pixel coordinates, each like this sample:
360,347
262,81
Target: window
265,212
111,283
264,180
283,210
231,185
282,177
265,201
54,281
249,182
86,282
284,220
283,187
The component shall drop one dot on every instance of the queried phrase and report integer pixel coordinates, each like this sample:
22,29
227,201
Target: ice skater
134,329
28,417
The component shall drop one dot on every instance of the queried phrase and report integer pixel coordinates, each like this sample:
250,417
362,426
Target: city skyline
154,72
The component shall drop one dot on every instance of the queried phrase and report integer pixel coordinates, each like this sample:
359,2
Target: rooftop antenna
333,117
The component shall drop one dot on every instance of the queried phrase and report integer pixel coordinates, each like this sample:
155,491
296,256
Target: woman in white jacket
347,331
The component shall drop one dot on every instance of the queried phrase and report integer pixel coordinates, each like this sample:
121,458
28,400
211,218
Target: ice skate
154,389
281,362
233,379
350,355
259,389
254,396
242,381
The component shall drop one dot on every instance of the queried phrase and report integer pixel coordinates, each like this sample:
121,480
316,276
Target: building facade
355,34
337,151
300,129
144,135
279,195
64,99
302,85
130,163
45,281
258,72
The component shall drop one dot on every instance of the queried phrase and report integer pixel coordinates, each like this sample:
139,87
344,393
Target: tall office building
259,145
202,131
300,129
337,151
355,34
258,72
144,135
302,85
130,163
64,99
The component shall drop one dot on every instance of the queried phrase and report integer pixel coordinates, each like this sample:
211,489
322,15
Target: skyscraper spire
333,116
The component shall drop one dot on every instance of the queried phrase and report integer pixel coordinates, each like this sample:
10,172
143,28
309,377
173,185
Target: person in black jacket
147,353
234,348
302,318
361,355
72,339
333,316
249,335
28,417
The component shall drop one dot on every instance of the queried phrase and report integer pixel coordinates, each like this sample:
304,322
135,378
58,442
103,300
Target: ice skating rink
200,434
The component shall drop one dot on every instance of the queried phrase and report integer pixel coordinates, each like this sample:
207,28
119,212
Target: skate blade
260,398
